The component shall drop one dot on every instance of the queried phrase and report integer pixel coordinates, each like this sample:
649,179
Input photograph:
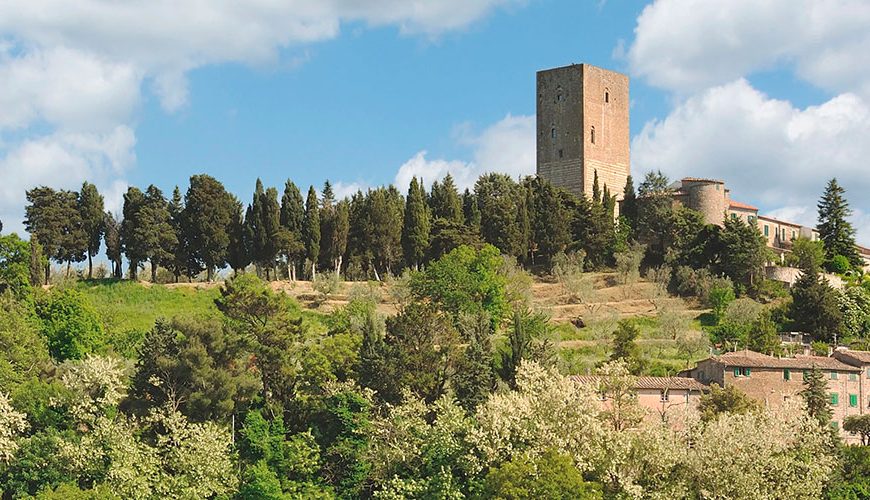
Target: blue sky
772,98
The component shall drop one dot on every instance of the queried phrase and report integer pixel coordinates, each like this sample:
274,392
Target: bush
69,323
720,298
326,284
568,271
839,264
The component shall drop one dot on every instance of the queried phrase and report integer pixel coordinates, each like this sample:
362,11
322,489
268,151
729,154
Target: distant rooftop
743,206
659,383
752,359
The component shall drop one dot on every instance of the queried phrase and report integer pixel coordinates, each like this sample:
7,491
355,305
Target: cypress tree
182,261
161,234
386,215
271,227
338,235
327,221
311,229
238,252
114,249
36,264
359,248
133,238
475,373
815,394
628,208
550,230
835,231
257,236
596,189
91,210
292,214
415,233
814,306
471,210
44,219
500,214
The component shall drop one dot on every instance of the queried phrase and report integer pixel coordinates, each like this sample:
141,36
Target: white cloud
768,151
98,158
72,73
688,45
507,146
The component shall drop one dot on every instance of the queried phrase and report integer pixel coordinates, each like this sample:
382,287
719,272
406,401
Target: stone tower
582,127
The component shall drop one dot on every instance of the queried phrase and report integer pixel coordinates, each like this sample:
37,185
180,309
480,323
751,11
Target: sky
773,97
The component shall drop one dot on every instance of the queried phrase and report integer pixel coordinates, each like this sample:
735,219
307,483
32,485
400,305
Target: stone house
772,380
667,399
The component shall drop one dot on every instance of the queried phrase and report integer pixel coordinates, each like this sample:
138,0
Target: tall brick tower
583,127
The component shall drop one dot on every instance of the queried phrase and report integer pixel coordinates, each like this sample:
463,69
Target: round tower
707,196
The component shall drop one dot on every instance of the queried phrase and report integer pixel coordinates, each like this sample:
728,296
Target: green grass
125,306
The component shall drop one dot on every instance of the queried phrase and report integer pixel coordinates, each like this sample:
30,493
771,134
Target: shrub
568,271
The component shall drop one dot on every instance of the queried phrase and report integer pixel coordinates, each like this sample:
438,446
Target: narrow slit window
606,97
592,135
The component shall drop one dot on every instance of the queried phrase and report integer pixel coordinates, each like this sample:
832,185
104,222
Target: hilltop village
572,334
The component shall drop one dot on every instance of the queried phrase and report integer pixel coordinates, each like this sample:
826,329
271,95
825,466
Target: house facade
772,380
665,399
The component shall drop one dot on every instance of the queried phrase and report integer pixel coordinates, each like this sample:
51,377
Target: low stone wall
790,275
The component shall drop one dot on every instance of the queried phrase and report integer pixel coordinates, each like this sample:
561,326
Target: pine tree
415,233
90,204
743,251
44,219
814,306
815,394
835,231
311,230
498,198
444,201
208,212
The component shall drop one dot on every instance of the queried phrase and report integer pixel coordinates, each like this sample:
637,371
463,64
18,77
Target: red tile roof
862,357
660,383
742,206
701,179
771,219
754,359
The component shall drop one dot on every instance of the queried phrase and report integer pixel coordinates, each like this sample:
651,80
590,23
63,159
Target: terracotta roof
744,206
649,382
858,356
771,219
754,359
863,250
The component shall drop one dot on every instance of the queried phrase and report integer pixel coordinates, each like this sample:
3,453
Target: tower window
606,96
558,97
561,154
592,135
553,133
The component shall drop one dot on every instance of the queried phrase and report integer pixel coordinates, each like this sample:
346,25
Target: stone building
772,380
582,128
667,399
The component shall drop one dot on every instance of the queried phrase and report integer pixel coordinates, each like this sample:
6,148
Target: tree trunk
153,271
313,271
134,270
338,266
209,274
375,269
90,267
68,264
48,273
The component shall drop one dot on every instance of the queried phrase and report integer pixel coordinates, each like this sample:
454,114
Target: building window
786,374
853,400
558,97
834,375
853,377
766,230
868,372
742,371
835,399
606,96
793,234
553,133
664,396
592,134
561,154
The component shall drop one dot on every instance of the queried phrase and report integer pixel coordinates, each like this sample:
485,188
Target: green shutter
737,372
853,400
835,399
833,375
786,374
747,371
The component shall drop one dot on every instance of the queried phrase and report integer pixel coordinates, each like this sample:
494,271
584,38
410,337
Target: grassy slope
126,306
129,309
